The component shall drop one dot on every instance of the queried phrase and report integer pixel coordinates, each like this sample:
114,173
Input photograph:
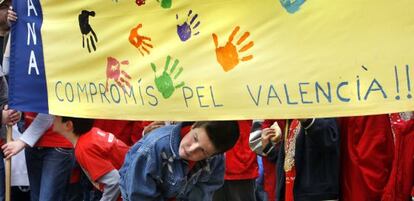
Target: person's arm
255,142
110,183
37,128
31,135
140,174
204,190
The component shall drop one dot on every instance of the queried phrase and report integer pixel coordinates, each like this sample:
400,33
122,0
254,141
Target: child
99,153
183,162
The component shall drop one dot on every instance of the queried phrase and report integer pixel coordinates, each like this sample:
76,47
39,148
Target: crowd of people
361,158
347,158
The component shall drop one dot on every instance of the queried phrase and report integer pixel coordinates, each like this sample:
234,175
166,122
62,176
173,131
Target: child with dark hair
100,154
241,169
182,162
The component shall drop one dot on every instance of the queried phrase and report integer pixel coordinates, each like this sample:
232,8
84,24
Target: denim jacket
153,170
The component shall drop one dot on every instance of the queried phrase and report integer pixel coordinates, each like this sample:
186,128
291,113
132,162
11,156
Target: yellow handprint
228,55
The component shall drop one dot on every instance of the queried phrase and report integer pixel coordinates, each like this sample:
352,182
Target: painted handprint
165,3
164,83
114,72
292,6
228,55
138,41
140,2
88,35
184,30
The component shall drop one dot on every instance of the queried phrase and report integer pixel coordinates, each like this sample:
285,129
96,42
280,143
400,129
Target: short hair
223,134
80,125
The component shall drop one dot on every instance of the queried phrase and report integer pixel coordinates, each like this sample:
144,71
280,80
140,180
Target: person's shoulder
89,140
159,134
156,140
216,159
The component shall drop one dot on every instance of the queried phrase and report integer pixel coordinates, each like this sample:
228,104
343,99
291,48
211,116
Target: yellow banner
227,59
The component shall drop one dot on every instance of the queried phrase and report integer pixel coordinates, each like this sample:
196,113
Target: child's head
208,138
78,126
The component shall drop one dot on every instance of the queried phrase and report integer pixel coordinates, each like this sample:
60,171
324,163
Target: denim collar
175,139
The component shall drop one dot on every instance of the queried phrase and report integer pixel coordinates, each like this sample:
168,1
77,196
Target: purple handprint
184,30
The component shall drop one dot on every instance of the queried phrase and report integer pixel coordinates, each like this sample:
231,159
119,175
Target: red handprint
140,2
113,71
139,41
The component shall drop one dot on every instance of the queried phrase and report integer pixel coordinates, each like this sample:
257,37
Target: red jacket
402,175
367,150
241,161
127,131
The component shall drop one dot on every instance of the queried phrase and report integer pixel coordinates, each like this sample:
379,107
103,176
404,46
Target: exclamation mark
407,71
397,84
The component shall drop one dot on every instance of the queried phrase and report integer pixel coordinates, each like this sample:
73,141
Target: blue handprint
292,6
184,30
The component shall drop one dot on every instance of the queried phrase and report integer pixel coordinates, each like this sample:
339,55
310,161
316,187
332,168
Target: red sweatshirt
367,150
402,175
241,161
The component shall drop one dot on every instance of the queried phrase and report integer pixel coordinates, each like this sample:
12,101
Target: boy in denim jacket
179,162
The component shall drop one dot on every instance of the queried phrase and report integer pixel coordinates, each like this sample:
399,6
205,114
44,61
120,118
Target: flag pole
8,165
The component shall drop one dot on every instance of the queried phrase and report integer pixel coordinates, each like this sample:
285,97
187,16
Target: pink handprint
114,72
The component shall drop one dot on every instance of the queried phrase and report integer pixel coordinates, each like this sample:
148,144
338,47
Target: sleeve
375,151
111,186
323,132
273,154
6,58
204,190
255,142
93,160
37,128
140,175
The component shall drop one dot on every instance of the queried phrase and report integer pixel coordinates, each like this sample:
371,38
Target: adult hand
11,16
12,148
10,117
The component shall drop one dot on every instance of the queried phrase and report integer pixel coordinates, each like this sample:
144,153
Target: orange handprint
113,71
139,41
228,55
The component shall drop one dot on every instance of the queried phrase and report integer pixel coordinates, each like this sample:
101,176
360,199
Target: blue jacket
316,163
153,170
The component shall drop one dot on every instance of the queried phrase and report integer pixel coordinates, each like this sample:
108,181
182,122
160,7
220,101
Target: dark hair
223,134
80,125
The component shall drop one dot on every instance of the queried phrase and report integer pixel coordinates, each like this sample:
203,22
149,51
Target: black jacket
316,163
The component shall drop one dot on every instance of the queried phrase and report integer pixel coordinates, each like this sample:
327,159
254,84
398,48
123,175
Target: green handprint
164,83
165,3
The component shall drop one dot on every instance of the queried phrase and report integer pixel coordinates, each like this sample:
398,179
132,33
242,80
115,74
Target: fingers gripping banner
197,60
